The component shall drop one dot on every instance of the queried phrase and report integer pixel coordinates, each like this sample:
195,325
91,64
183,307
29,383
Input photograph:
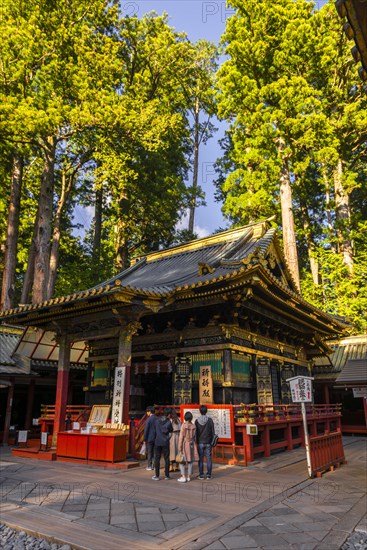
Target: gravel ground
356,541
10,539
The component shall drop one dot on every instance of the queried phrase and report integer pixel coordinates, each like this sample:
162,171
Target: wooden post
248,444
289,436
30,400
62,387
265,436
9,405
307,439
227,367
326,394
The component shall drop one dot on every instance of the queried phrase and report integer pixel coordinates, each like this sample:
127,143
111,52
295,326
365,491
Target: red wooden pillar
9,405
265,436
62,387
289,436
30,399
248,445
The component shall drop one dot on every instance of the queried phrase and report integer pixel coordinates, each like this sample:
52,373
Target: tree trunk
96,254
289,235
121,252
342,212
311,249
330,225
12,231
44,225
56,235
195,168
29,274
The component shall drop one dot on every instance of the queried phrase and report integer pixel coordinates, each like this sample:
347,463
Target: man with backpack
163,429
204,437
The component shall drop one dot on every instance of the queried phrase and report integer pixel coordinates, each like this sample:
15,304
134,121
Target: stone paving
269,505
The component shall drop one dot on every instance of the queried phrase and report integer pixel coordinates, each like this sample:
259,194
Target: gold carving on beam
132,328
125,297
154,305
249,293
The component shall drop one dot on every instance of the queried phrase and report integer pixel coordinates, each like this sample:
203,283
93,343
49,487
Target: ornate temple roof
243,264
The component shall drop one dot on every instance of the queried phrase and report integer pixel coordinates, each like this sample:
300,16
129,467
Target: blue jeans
205,449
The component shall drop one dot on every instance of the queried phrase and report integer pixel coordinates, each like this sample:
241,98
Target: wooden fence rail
327,453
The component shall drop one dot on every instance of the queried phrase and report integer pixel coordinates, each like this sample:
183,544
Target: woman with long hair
187,446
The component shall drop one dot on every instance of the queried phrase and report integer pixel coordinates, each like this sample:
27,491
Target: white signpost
301,391
118,395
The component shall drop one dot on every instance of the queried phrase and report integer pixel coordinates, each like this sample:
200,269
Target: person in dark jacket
204,436
149,436
163,429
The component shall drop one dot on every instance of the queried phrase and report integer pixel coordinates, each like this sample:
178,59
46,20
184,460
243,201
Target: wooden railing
78,413
327,453
259,414
281,426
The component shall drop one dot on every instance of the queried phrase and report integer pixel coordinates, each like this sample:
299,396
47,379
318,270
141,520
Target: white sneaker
182,479
188,479
149,468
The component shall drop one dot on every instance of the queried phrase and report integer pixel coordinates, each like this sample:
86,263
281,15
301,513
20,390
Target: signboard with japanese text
22,436
206,385
301,389
222,416
118,395
360,392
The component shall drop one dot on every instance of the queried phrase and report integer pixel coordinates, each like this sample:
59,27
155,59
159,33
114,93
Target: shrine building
227,301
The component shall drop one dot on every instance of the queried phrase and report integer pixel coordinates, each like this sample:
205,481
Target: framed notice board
222,416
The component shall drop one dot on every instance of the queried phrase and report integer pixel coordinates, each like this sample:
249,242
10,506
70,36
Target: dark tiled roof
354,373
158,274
8,342
167,272
351,348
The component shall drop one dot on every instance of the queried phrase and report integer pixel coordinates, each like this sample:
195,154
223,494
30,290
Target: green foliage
111,93
290,79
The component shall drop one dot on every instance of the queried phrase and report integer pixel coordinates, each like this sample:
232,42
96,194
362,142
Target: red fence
281,427
326,452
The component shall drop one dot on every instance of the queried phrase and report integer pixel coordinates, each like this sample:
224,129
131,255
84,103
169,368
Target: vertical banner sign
118,395
206,385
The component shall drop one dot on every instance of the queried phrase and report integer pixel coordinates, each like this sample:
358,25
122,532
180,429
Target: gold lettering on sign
206,385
